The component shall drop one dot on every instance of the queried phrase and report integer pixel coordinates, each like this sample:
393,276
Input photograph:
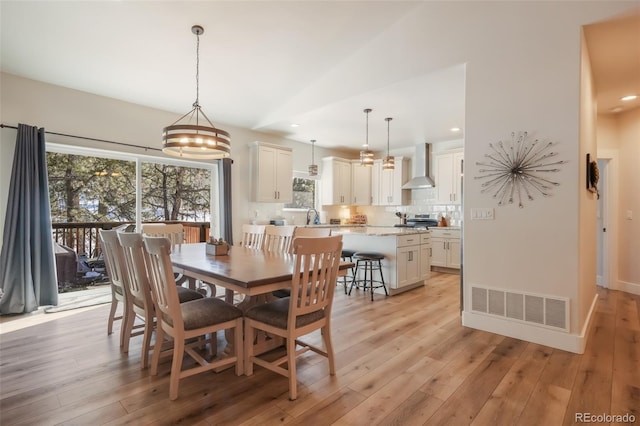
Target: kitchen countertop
378,231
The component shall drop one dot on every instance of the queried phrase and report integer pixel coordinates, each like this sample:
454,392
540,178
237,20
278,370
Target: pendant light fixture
313,167
366,155
193,135
388,163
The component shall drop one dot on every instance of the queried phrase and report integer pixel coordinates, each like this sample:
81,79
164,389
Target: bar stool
371,262
347,256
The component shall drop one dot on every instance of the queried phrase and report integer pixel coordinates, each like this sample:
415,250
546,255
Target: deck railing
83,237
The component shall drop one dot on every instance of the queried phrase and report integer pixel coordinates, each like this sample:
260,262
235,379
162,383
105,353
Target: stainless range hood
421,169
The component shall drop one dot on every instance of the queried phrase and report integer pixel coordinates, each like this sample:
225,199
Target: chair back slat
173,231
135,268
253,236
163,284
317,259
114,260
278,238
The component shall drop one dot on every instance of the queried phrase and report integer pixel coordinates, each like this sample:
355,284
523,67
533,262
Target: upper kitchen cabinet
386,185
360,184
336,181
272,170
448,172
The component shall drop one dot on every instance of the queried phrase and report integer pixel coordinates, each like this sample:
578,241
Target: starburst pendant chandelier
366,155
193,135
388,162
313,167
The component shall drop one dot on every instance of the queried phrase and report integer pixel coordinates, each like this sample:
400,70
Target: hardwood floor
402,360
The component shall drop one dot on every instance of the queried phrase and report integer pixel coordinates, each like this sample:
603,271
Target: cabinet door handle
430,252
410,256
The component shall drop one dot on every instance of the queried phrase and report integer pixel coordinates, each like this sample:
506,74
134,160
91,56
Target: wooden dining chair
136,273
182,323
308,309
278,238
120,287
253,236
172,231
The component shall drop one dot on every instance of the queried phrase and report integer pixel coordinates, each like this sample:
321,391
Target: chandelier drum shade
313,167
366,155
388,162
193,135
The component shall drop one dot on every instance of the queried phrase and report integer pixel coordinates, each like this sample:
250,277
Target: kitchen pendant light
194,137
313,167
366,155
388,163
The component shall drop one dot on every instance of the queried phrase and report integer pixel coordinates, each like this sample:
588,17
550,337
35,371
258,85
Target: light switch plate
482,214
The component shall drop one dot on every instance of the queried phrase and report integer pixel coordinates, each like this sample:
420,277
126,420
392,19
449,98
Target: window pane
175,193
304,194
91,189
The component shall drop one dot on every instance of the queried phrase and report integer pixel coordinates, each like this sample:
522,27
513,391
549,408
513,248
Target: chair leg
248,348
128,321
176,367
146,342
112,315
291,355
157,348
326,336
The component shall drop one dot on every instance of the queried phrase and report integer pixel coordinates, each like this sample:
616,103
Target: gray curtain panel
27,261
225,190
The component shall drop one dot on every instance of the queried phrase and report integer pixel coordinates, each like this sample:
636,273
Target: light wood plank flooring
402,360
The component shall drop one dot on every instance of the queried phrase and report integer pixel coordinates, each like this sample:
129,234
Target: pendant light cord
197,104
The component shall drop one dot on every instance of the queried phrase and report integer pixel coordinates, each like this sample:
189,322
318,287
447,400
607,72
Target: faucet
316,218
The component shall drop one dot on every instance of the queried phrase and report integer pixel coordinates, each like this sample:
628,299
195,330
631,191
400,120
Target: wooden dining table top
241,268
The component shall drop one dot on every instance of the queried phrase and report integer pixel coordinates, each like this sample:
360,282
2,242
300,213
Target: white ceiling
265,65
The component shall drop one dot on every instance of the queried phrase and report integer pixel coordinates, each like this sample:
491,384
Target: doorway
602,231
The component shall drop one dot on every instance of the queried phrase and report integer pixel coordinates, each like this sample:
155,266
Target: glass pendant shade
313,167
366,155
388,163
193,135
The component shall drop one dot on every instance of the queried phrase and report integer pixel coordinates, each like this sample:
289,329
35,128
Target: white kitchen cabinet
272,173
360,184
386,185
413,259
445,244
448,174
336,181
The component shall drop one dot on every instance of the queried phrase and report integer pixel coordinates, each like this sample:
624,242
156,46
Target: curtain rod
2,126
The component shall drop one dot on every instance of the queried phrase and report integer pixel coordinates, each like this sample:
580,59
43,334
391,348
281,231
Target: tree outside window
304,194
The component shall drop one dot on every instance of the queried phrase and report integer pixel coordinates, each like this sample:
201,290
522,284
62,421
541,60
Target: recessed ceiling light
629,97
455,129
295,125
616,109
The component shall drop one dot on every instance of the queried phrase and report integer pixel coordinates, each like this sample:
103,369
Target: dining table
253,273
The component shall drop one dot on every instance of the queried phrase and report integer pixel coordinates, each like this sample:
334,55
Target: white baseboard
632,288
575,343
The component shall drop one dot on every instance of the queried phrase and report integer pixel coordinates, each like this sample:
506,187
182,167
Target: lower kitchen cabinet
445,244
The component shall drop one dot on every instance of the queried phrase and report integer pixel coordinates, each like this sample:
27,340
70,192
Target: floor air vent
533,309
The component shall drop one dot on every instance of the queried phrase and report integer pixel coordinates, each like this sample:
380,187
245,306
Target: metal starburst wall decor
519,168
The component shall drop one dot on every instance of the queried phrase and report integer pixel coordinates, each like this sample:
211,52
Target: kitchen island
407,252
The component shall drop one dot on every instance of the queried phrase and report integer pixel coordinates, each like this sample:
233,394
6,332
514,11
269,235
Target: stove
419,221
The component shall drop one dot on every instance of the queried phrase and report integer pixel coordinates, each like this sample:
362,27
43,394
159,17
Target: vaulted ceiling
267,65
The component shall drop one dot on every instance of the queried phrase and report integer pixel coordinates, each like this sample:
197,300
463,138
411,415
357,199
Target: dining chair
119,287
172,231
185,322
302,231
306,310
142,299
278,238
253,236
